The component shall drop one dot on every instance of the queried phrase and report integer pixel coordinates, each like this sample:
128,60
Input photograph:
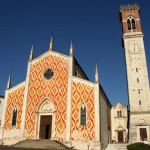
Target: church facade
57,101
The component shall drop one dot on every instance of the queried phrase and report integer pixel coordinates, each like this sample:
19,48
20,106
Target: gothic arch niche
45,109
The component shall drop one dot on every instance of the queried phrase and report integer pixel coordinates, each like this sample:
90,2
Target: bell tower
137,74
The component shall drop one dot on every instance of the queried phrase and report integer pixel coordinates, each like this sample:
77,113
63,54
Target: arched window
117,113
120,113
14,116
131,24
83,114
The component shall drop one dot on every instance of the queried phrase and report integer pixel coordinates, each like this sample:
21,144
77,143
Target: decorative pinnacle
71,49
129,7
9,82
96,75
31,54
51,44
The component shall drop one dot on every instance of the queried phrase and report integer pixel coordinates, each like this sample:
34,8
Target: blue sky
95,29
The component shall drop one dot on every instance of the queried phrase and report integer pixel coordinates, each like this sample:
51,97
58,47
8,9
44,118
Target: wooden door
143,133
45,127
120,136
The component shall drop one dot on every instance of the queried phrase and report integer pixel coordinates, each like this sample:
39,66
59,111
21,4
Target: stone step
116,147
36,145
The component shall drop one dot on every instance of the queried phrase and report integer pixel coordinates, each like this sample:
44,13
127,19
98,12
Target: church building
57,101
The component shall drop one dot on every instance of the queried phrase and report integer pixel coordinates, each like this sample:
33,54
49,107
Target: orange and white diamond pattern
15,98
55,89
82,93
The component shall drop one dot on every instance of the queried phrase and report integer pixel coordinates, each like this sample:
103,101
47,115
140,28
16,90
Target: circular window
48,74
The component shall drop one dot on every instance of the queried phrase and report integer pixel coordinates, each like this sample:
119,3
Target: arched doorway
142,127
45,119
120,134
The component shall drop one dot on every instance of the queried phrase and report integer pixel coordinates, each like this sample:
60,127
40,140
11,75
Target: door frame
138,131
122,136
40,112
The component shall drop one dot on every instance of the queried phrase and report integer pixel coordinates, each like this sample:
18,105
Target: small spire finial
31,54
51,44
9,82
71,49
96,75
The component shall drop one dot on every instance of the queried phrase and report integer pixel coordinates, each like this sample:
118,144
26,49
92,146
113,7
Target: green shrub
138,146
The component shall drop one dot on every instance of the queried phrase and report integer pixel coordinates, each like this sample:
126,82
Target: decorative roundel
48,74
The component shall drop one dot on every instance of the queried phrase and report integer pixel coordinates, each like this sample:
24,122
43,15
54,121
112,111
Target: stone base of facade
86,145
138,121
68,143
97,146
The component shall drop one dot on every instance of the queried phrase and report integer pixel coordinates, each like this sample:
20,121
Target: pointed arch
131,24
46,105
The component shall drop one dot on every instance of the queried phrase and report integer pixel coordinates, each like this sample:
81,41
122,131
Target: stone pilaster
97,116
69,102
3,116
23,118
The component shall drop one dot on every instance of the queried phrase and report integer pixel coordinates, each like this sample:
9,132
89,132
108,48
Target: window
139,102
138,80
131,24
0,122
83,114
14,116
136,69
117,113
76,73
48,74
139,91
120,114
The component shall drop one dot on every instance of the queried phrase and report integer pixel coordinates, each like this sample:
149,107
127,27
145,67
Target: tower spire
31,54
71,49
96,75
51,44
9,82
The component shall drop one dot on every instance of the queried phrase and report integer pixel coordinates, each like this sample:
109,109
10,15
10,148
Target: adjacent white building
119,123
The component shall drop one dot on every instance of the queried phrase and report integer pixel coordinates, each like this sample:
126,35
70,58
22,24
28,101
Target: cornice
54,53
132,35
86,82
16,87
139,112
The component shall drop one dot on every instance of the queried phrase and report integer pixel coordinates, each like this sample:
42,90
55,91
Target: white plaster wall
1,113
119,122
104,120
11,136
